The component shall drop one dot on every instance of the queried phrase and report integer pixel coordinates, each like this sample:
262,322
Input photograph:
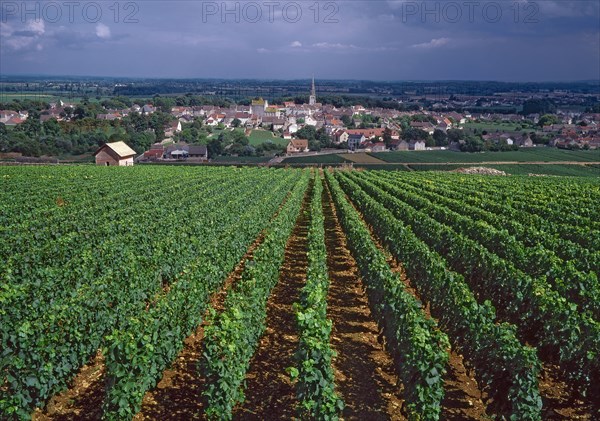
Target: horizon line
158,78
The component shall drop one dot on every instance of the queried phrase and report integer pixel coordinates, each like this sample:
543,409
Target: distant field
258,137
523,169
493,126
9,97
6,97
241,159
550,169
316,159
527,155
364,158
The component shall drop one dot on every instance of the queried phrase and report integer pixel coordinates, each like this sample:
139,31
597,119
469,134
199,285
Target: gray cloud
355,39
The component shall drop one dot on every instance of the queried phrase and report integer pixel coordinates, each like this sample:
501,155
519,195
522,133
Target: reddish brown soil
463,398
269,393
365,375
83,400
178,394
559,398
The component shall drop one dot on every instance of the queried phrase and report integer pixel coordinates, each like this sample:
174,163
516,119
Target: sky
514,40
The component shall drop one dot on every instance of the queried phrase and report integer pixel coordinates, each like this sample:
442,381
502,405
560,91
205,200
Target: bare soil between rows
176,396
269,392
463,398
364,371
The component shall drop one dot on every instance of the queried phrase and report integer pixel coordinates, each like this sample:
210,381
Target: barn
115,154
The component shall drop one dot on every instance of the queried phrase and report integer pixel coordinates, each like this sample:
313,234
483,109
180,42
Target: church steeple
313,93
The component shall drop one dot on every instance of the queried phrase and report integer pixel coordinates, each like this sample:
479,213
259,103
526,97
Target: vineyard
255,293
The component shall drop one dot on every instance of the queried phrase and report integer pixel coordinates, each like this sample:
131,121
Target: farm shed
114,154
297,145
198,152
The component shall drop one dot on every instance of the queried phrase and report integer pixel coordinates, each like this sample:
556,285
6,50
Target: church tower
313,93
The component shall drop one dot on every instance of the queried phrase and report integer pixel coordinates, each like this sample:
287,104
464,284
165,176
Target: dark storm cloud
395,39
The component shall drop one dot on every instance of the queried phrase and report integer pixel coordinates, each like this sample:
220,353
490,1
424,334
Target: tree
164,103
414,134
307,132
538,106
215,148
323,138
387,137
236,122
454,135
424,118
5,142
32,126
347,120
314,145
81,112
440,137
547,120
51,128
472,144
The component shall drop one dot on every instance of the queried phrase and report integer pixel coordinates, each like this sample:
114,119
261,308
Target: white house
310,120
418,145
115,154
297,145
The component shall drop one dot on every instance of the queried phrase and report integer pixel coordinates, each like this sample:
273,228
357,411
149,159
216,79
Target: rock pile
480,171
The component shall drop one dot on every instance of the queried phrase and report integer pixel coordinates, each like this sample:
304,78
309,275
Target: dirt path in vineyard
365,375
178,394
269,392
462,399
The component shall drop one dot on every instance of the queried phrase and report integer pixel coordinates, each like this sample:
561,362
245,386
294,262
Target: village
290,129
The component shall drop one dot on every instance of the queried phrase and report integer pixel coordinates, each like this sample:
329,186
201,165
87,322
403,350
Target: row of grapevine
232,336
144,345
542,316
419,349
315,385
580,288
568,225
44,186
506,370
83,249
42,350
47,340
82,205
553,205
